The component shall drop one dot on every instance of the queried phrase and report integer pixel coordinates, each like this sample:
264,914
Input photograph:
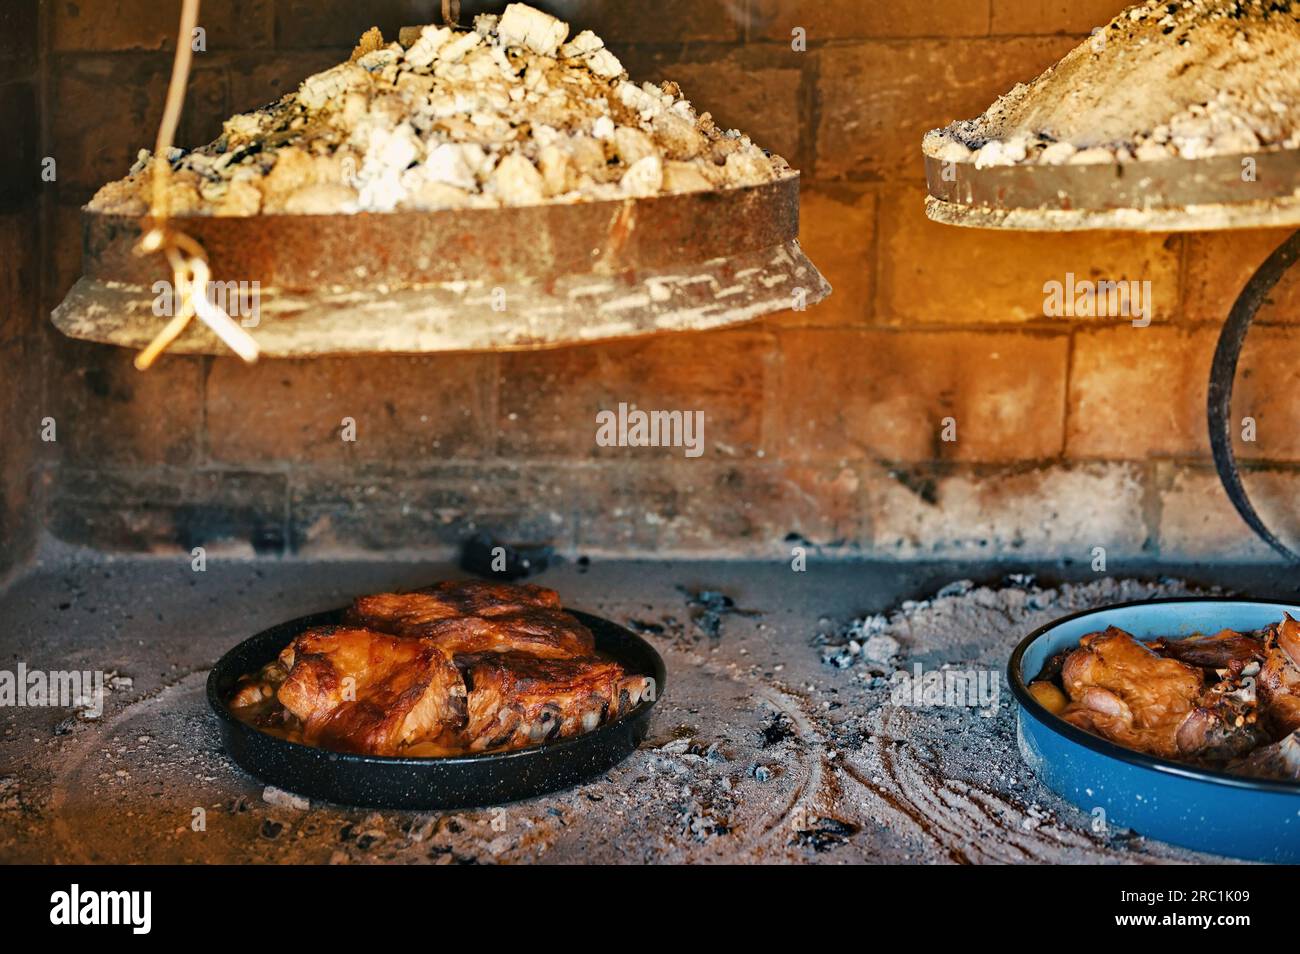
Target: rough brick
20,407
63,248
940,274
406,409
1218,265
755,89
878,395
111,414
19,284
668,21
1138,392
104,25
1268,389
444,505
877,99
837,225
19,38
1060,511
1053,16
549,400
206,105
106,108
171,510
19,167
1198,522
256,80
851,19
743,508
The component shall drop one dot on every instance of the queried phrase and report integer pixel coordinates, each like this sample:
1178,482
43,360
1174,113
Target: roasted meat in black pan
457,667
489,617
518,699
359,691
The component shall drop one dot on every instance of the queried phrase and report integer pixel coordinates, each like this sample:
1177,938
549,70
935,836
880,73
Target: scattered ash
860,640
707,608
10,794
949,778
961,615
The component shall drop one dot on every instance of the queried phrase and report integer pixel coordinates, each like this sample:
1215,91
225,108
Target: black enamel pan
429,783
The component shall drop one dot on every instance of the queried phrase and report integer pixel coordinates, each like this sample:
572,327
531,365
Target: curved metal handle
1224,371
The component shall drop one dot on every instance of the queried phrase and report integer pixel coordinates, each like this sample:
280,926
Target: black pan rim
1105,747
223,713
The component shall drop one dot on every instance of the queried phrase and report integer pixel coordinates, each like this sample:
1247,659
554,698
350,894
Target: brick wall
19,277
822,425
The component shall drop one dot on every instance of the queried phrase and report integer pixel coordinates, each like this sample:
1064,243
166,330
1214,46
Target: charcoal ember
484,555
777,730
708,607
824,834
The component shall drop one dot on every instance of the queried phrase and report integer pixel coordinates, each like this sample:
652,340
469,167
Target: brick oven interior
822,438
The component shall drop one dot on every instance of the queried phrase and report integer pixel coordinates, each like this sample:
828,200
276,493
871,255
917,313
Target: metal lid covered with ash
1187,79
512,112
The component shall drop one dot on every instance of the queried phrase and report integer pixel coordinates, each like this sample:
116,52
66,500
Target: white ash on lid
512,112
1175,79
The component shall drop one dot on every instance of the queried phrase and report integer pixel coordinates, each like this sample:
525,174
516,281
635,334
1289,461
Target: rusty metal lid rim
1215,192
366,250
1204,218
458,317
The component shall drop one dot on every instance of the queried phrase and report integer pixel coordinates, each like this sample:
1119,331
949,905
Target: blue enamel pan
1205,810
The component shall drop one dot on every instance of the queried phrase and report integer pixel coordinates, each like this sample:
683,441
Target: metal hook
1222,375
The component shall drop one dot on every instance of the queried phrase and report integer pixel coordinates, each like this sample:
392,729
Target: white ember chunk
516,181
282,799
522,25
454,164
646,177
320,89
425,51
588,47
454,51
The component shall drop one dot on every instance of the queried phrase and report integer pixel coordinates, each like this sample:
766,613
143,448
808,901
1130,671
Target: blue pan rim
223,713
1139,759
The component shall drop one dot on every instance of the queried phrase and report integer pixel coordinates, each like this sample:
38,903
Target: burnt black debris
708,607
485,556
777,730
825,834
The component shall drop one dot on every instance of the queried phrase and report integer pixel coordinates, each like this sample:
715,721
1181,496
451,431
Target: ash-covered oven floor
776,739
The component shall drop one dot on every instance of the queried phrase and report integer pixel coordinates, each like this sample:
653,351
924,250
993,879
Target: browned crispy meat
457,599
1226,722
1121,690
1279,678
1227,649
360,691
456,667
518,699
487,617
